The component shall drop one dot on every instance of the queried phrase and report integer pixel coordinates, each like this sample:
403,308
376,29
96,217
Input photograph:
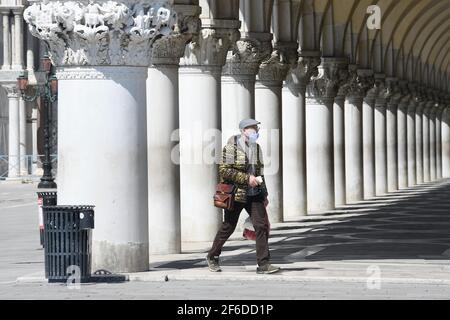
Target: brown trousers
257,212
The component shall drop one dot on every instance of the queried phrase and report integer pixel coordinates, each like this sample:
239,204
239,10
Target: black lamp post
48,91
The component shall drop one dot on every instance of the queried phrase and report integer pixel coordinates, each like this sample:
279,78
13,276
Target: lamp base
47,184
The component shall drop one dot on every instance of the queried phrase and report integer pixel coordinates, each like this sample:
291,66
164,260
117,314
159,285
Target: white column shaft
353,149
319,154
411,145
23,137
163,160
380,150
103,159
391,143
419,143
13,42
199,120
13,137
433,144
339,150
369,147
426,144
31,47
268,112
402,155
18,41
439,144
6,42
446,143
294,153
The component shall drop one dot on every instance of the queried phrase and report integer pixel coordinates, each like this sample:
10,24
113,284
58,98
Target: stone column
164,220
200,104
339,134
102,64
360,81
426,141
17,54
433,142
391,134
445,134
6,41
238,81
419,140
339,148
31,47
320,94
102,95
13,132
402,155
439,141
23,137
294,135
269,80
30,67
380,139
402,142
4,138
12,40
411,141
368,114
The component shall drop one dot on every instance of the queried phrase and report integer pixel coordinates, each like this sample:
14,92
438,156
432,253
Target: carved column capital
209,47
273,69
442,101
413,87
382,91
405,92
303,70
422,93
169,49
245,56
429,93
429,104
288,52
441,97
394,93
374,91
100,32
11,91
325,85
359,82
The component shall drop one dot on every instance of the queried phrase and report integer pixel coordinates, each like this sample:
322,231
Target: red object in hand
249,231
249,234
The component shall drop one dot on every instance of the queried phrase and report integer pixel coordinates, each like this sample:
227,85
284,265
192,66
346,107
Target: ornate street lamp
48,92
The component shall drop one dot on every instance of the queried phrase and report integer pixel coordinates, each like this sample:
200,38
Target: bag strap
235,148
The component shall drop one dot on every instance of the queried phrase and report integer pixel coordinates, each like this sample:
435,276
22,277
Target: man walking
242,165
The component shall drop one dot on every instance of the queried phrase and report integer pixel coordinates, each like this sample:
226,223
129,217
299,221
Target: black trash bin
44,199
68,242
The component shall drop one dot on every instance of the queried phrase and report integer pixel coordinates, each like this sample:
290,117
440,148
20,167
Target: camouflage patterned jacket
233,168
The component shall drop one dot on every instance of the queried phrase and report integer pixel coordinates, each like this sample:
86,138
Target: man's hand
252,182
266,202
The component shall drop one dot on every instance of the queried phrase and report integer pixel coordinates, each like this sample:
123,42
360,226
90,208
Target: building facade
21,144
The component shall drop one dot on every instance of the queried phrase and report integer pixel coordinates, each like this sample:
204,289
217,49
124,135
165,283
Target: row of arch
412,42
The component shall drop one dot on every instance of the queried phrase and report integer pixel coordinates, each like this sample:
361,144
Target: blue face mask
253,137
